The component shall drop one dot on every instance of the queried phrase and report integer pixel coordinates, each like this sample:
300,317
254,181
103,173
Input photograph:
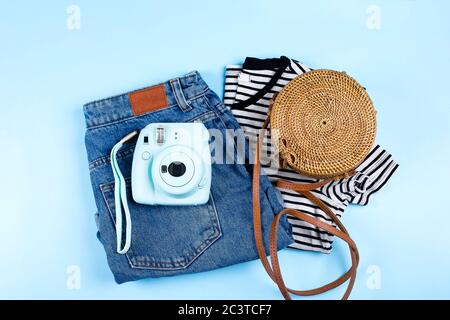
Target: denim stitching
171,265
109,186
197,252
137,117
179,96
110,123
106,159
219,107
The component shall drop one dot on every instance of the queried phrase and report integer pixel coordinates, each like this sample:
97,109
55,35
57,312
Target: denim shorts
171,240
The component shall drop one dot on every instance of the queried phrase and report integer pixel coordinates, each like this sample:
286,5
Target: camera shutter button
146,155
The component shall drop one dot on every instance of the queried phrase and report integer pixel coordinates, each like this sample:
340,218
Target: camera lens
177,169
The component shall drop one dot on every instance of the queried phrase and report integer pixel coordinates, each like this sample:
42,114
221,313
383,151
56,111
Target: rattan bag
323,123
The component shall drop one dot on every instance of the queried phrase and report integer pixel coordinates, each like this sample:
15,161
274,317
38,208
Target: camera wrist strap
120,197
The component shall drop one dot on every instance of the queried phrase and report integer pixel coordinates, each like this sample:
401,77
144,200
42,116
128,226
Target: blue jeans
171,240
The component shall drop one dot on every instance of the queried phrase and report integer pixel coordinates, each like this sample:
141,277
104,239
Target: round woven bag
325,123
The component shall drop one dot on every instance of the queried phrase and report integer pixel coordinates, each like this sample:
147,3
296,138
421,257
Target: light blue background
47,72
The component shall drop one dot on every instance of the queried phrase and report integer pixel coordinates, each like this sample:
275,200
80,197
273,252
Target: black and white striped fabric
245,82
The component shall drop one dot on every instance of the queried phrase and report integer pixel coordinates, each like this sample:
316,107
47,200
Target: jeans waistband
179,91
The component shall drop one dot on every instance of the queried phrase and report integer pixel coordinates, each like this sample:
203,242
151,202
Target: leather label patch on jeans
147,100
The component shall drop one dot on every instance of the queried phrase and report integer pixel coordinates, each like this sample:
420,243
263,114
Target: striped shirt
248,91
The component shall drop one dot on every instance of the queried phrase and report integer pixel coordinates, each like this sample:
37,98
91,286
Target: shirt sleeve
231,83
372,174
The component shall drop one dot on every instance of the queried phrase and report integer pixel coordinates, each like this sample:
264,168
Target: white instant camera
172,164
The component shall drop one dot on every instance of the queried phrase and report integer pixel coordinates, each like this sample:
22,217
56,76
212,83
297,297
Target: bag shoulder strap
273,268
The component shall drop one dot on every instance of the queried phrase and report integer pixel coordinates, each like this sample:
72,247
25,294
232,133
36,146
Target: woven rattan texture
325,123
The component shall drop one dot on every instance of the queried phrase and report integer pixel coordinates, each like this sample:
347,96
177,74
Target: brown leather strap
273,269
302,187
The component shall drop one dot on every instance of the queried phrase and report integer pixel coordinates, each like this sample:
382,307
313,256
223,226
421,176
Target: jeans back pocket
166,237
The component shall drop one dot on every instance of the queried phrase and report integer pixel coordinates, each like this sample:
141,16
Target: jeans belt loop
179,95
